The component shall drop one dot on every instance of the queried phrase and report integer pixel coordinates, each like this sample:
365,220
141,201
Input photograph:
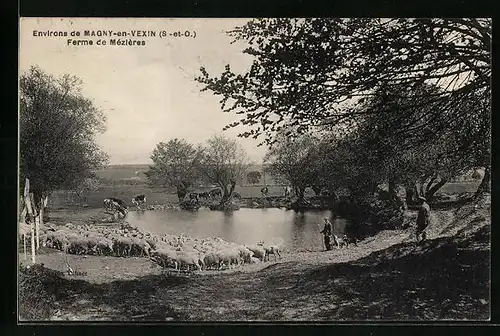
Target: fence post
31,207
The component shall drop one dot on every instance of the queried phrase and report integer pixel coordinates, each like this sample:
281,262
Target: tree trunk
485,186
433,179
301,195
392,189
410,195
429,195
181,192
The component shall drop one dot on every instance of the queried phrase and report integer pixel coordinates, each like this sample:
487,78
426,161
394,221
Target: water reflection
246,226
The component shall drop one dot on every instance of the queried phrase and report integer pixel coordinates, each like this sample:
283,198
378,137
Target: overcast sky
147,92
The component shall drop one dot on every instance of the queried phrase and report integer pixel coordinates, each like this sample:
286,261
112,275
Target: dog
350,240
340,241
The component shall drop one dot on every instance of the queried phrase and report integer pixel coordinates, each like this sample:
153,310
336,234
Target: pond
299,231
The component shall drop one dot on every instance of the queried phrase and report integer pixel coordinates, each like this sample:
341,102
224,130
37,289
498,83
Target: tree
223,162
175,164
254,177
427,156
289,159
89,184
306,72
58,127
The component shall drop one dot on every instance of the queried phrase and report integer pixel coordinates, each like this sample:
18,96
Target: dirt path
384,277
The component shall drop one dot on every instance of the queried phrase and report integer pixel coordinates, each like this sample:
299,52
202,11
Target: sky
147,93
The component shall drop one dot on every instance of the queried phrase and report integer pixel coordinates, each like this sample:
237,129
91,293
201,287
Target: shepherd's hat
422,198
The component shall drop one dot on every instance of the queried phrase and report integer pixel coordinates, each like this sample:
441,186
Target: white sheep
211,259
230,256
188,259
258,251
164,256
270,249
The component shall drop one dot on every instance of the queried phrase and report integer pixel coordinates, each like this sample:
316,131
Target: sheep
151,242
229,255
122,246
140,247
258,251
254,260
105,246
211,260
270,249
164,256
245,253
188,259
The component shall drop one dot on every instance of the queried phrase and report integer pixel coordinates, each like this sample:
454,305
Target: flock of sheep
177,251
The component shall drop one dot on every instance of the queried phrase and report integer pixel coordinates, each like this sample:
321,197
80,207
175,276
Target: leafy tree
175,164
89,184
223,162
58,126
310,72
290,159
254,177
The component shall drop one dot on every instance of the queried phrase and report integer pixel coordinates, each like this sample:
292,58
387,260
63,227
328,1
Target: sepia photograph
254,170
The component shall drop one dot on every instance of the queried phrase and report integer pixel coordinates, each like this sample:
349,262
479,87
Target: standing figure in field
423,219
138,200
288,191
264,191
327,233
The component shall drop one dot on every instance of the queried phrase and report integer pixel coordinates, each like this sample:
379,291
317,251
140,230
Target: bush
34,298
372,213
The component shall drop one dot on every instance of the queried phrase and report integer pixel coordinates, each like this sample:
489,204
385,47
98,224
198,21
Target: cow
264,191
215,192
204,195
138,200
113,203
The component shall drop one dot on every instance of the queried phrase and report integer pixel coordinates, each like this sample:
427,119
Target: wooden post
30,207
24,243
35,230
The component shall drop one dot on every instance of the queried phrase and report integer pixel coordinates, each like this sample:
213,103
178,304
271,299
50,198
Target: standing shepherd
327,233
288,191
423,219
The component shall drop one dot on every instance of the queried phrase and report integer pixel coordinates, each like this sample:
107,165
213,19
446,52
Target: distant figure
264,191
327,232
288,191
423,219
138,200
